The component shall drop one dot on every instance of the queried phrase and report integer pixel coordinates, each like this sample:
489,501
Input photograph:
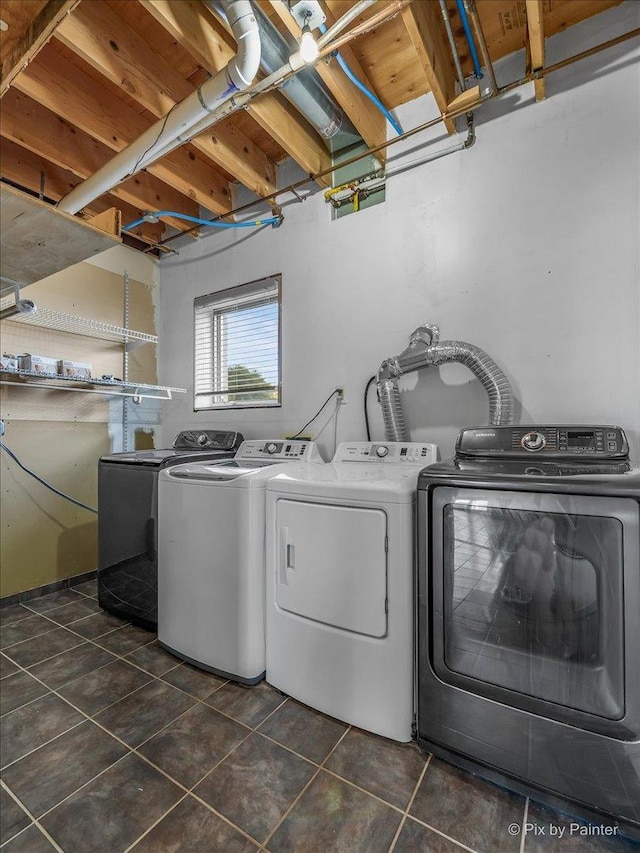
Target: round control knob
272,448
382,451
202,439
533,441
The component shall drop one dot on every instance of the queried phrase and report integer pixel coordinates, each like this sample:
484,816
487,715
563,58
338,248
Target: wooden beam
535,35
105,41
365,117
26,169
211,46
34,39
464,100
30,125
110,220
75,96
424,24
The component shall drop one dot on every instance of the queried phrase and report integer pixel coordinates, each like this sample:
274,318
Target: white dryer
340,602
211,568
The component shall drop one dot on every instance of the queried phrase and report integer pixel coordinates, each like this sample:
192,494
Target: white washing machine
211,557
340,602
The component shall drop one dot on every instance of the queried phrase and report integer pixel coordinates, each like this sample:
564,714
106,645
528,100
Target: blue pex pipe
270,220
467,31
358,83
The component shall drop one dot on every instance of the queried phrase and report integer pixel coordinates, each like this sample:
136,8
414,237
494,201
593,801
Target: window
237,346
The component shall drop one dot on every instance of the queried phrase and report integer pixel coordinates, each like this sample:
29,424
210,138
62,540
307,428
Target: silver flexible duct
426,350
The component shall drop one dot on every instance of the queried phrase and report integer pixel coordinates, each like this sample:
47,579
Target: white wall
525,245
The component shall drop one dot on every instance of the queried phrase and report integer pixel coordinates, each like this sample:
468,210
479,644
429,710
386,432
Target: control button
382,451
612,445
272,448
533,441
611,434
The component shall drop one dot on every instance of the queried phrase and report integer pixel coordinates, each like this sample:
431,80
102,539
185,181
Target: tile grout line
525,816
297,799
46,743
133,750
409,804
198,700
191,790
34,821
428,825
153,825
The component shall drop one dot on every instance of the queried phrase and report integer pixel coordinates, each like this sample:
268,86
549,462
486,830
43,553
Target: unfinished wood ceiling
81,79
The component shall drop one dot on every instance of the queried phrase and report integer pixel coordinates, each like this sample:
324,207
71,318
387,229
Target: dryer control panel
279,450
395,452
552,441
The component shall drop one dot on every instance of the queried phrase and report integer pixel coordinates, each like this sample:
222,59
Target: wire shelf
113,387
59,321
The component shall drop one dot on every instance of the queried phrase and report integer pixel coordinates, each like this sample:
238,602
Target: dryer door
331,565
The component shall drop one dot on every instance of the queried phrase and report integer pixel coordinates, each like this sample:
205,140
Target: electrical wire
366,412
155,141
395,124
322,407
213,223
44,482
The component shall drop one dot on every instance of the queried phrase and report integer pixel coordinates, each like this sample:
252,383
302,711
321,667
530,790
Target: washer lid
348,481
244,473
163,458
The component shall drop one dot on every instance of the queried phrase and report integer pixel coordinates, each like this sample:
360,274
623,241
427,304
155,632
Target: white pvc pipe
200,108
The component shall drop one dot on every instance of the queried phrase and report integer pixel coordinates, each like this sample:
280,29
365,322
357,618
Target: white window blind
237,346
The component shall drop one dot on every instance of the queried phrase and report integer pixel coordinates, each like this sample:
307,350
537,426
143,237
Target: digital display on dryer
581,439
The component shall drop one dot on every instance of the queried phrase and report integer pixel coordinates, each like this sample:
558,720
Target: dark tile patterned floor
109,743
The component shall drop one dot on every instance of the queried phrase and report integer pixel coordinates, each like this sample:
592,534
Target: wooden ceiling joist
26,169
426,30
34,39
37,129
205,39
66,90
535,31
105,41
365,117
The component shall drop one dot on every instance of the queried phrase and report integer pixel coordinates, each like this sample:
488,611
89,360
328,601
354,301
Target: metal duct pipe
305,91
170,132
426,350
389,397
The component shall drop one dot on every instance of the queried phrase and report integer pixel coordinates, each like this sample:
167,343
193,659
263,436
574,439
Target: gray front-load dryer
528,601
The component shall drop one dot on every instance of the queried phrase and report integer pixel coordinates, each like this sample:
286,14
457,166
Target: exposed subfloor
109,744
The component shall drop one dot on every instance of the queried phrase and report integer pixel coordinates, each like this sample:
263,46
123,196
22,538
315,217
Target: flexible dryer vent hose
425,350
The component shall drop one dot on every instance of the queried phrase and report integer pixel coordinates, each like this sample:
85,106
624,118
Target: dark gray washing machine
529,612
127,520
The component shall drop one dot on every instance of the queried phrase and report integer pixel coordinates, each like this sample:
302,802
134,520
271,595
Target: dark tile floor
110,744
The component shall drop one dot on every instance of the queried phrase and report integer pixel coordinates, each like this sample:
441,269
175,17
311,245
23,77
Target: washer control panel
569,441
396,452
279,450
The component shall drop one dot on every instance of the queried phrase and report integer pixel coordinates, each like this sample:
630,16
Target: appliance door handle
287,556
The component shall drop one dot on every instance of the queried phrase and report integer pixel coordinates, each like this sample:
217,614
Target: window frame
225,294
